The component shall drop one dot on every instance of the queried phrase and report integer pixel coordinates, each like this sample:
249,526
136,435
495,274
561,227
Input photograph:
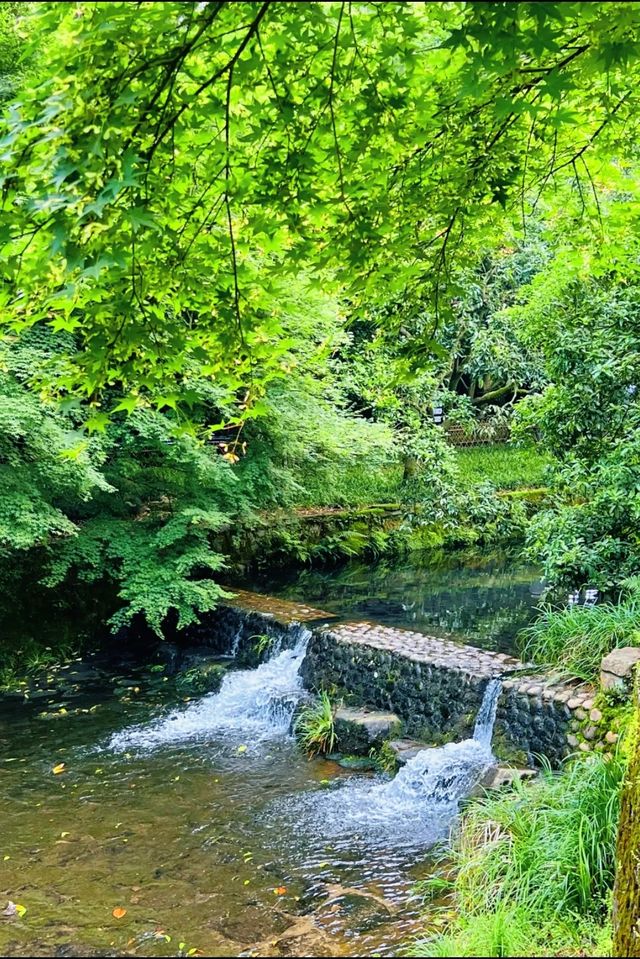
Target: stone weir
433,685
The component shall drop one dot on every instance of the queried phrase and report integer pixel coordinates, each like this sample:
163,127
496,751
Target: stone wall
434,685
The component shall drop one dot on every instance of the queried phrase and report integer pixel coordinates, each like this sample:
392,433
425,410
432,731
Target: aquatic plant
315,726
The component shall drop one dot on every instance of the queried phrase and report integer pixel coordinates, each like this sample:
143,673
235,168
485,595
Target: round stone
580,713
611,737
574,703
595,715
585,747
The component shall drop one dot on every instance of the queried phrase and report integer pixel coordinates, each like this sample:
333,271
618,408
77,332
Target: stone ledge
281,610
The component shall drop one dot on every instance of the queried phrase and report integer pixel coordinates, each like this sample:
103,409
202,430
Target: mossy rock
205,678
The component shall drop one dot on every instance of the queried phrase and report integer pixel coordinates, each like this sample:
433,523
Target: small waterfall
446,774
235,643
256,703
486,718
420,803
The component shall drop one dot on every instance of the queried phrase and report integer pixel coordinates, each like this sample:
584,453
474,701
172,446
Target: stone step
358,730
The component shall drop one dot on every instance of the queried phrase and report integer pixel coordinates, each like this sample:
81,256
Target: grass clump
315,726
576,638
534,868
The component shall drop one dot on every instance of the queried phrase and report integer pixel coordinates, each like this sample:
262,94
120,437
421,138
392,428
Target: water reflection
485,599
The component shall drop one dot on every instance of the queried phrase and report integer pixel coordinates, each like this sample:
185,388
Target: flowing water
204,828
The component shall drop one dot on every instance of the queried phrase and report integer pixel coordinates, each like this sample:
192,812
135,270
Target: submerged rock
406,749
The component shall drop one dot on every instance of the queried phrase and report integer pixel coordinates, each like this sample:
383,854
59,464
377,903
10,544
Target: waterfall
446,774
256,703
420,803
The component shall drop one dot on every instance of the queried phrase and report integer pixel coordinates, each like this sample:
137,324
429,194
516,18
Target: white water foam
418,806
258,703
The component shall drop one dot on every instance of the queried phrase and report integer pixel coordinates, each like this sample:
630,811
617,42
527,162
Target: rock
590,732
616,669
585,747
205,678
595,715
572,740
580,714
611,737
358,730
406,749
498,777
169,655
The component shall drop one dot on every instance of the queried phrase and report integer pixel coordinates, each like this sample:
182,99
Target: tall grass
534,867
576,638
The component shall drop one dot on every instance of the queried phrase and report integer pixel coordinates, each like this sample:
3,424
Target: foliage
576,638
175,188
315,726
588,417
536,863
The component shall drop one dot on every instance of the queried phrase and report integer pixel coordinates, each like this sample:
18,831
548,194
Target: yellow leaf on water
280,890
58,769
119,912
20,909
242,749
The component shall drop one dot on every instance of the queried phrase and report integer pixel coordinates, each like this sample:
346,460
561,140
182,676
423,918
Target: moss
626,909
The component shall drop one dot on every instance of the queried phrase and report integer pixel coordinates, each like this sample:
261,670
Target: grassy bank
533,868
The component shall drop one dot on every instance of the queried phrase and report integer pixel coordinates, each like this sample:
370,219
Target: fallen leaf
242,749
119,912
280,890
58,769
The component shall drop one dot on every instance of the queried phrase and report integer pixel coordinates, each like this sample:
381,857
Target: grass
576,638
21,664
506,467
315,726
534,868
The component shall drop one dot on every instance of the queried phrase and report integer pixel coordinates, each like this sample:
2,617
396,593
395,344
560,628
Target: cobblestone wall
434,685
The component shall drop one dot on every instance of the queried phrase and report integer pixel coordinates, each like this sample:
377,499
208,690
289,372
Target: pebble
590,732
585,747
611,737
572,740
595,715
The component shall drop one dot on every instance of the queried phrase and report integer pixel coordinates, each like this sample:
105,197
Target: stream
138,823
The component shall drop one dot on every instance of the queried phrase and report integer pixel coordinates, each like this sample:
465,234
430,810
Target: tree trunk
626,894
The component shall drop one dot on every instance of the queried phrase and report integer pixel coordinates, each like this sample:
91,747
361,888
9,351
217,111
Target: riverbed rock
616,669
204,678
359,730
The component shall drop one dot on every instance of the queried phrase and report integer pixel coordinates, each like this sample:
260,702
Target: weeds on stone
315,726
